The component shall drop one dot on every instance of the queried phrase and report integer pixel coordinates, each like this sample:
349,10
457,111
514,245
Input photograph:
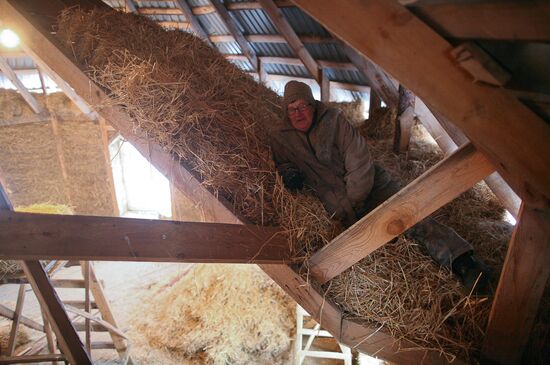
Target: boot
474,275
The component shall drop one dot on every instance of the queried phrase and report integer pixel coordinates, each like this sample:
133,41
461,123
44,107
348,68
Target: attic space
274,182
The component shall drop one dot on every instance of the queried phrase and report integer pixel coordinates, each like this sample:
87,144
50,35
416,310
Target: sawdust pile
185,96
220,314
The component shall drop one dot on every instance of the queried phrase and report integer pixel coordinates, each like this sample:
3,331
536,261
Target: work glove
293,179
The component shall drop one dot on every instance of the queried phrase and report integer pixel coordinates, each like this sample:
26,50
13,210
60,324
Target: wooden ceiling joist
29,98
236,33
429,192
505,20
184,7
507,132
363,337
25,236
285,29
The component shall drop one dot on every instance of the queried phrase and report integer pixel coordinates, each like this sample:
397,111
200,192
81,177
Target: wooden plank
197,27
66,335
42,236
325,87
107,314
520,288
512,136
376,77
85,267
50,341
236,33
432,190
363,338
16,319
6,360
448,137
31,100
506,20
10,314
285,29
45,52
108,167
404,120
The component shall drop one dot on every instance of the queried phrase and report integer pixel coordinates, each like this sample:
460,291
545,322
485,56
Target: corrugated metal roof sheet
254,21
212,24
167,18
153,4
302,23
18,63
272,49
228,47
243,65
326,51
193,3
352,77
287,70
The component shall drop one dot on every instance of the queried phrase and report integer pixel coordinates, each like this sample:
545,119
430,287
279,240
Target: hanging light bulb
8,38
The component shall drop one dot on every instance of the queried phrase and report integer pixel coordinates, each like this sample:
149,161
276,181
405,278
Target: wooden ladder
96,315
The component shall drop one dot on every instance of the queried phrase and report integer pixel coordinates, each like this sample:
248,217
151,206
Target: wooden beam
236,33
376,77
325,87
175,25
271,38
506,20
191,18
480,65
432,190
129,6
520,288
448,137
16,320
30,359
512,136
285,29
404,121
27,236
65,332
10,74
10,314
103,129
363,338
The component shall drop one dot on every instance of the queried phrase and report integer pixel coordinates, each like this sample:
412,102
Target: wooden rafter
285,29
366,339
512,20
520,288
130,7
236,33
432,190
191,18
506,131
27,236
404,121
31,100
448,138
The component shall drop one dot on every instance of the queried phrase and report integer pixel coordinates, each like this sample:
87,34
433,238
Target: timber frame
366,32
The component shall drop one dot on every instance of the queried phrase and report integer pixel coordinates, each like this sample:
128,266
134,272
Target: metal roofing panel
326,51
193,3
212,24
352,77
167,18
18,63
243,65
288,70
254,21
302,23
272,49
115,3
228,47
153,4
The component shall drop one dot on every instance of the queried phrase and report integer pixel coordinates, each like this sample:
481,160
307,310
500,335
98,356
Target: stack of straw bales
217,120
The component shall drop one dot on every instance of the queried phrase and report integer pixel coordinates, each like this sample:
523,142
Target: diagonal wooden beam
284,27
520,288
66,334
432,190
511,135
236,33
191,18
31,100
26,236
506,20
448,137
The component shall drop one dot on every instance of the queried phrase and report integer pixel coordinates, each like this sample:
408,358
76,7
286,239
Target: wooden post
374,102
16,319
404,120
520,288
325,87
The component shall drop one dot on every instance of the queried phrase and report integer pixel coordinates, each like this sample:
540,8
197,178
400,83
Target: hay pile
190,100
201,108
220,314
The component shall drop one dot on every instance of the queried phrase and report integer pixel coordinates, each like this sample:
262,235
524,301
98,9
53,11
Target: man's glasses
301,109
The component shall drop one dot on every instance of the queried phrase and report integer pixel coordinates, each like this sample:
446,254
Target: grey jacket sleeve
359,176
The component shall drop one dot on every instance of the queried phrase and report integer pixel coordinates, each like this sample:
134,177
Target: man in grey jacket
318,147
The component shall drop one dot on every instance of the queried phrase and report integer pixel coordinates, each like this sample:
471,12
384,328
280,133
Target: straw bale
220,314
354,111
189,99
22,336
